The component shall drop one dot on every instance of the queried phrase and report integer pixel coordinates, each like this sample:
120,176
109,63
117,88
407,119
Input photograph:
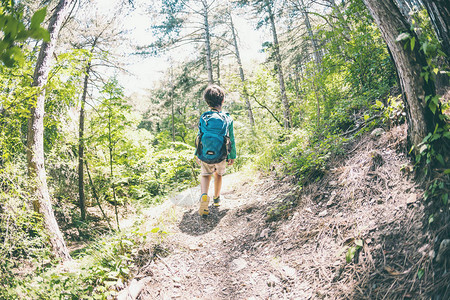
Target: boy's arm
232,154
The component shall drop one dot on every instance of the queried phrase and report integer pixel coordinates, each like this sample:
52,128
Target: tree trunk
81,197
111,174
218,67
439,11
241,72
297,80
317,58
409,64
35,139
207,43
276,45
173,113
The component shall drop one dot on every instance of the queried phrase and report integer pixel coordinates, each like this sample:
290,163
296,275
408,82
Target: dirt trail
221,256
269,240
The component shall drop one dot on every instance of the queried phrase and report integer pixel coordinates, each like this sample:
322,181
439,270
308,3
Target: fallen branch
360,126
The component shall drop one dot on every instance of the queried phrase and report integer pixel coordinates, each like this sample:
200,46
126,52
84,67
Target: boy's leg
220,171
217,184
217,187
204,200
204,183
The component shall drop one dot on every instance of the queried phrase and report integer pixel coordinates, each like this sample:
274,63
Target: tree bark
241,72
172,99
439,11
317,58
218,67
111,146
276,45
35,139
409,64
81,197
207,43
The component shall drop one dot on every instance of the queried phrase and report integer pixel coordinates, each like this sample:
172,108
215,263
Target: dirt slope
271,240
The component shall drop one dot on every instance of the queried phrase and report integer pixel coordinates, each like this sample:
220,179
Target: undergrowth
97,272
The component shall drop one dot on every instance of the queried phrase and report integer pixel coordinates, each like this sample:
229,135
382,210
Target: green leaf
440,159
413,42
420,273
424,47
378,103
445,198
447,171
38,18
40,33
350,254
154,230
432,107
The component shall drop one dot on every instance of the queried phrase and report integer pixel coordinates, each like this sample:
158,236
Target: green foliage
296,154
393,113
14,31
22,239
432,153
15,97
353,250
101,266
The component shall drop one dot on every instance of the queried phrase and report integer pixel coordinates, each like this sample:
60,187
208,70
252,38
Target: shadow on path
193,224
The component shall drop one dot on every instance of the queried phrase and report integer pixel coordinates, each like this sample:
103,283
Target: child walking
215,145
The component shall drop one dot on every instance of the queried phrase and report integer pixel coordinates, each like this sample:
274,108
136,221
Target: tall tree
206,28
278,62
317,57
266,10
35,139
418,93
81,198
185,22
241,69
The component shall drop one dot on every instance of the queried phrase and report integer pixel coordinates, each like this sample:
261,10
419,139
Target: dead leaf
393,272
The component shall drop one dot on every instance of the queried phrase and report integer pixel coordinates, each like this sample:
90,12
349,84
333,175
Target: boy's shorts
209,169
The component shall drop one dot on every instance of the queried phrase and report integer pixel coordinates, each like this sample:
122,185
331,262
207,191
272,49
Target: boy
215,145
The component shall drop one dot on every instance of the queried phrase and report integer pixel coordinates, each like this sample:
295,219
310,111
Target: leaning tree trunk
209,67
241,72
276,45
409,64
35,139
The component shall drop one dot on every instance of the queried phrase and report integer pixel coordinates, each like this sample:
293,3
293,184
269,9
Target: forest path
272,240
222,256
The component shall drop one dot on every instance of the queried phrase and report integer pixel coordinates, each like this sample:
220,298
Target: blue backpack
213,141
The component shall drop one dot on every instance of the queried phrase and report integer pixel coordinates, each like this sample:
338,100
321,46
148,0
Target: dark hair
214,95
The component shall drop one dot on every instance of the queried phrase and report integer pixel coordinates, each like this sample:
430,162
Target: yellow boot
204,202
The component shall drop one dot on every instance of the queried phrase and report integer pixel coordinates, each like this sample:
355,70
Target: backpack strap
224,116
